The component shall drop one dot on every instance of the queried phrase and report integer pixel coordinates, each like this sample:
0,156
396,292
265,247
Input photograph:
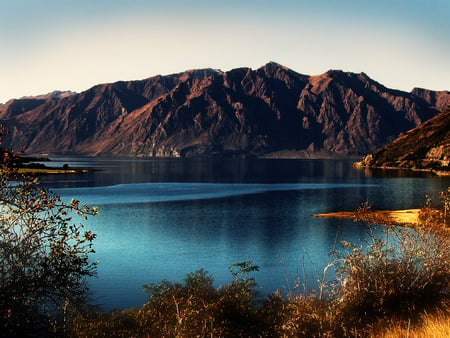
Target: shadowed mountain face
270,111
425,147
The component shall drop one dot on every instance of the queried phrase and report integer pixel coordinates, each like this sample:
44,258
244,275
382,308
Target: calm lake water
163,218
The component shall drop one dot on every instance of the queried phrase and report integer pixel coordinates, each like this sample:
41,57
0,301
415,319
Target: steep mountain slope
241,112
425,147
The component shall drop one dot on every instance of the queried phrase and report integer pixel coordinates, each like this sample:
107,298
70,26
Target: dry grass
432,326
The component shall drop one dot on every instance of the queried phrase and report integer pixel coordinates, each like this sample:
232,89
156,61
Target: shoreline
435,171
51,171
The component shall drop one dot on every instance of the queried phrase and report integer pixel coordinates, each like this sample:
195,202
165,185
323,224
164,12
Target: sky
48,45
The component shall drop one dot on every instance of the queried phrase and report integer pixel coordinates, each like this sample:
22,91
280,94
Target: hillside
426,147
270,111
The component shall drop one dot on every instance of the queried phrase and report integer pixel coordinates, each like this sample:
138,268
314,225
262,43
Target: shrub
397,276
43,255
196,308
436,218
300,316
93,322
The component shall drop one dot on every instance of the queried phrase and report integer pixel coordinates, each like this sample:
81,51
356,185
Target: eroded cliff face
426,147
206,112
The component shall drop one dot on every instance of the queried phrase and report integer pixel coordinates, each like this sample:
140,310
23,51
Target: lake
163,218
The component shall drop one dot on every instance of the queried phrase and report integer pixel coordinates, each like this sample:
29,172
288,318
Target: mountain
426,147
270,111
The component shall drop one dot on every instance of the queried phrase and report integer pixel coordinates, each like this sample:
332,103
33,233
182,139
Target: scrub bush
193,308
436,218
196,308
397,276
43,255
299,316
93,322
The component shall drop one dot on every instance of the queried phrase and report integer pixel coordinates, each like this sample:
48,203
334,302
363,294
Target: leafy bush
43,255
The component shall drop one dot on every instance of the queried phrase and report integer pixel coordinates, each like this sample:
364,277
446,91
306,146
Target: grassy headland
389,217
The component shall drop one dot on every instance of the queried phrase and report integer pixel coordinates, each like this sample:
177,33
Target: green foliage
43,255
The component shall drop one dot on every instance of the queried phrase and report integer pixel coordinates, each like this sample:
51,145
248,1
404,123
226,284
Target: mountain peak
274,65
334,72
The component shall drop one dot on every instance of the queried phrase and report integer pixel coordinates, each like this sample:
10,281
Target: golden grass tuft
431,326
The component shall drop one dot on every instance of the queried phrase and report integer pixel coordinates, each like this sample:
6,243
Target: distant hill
426,147
270,111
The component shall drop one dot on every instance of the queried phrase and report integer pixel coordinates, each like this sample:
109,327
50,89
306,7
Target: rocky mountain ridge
426,147
269,111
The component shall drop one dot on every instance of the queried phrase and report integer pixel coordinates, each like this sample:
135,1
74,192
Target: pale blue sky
72,45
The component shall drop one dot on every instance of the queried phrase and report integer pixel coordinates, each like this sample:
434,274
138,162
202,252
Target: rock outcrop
426,147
